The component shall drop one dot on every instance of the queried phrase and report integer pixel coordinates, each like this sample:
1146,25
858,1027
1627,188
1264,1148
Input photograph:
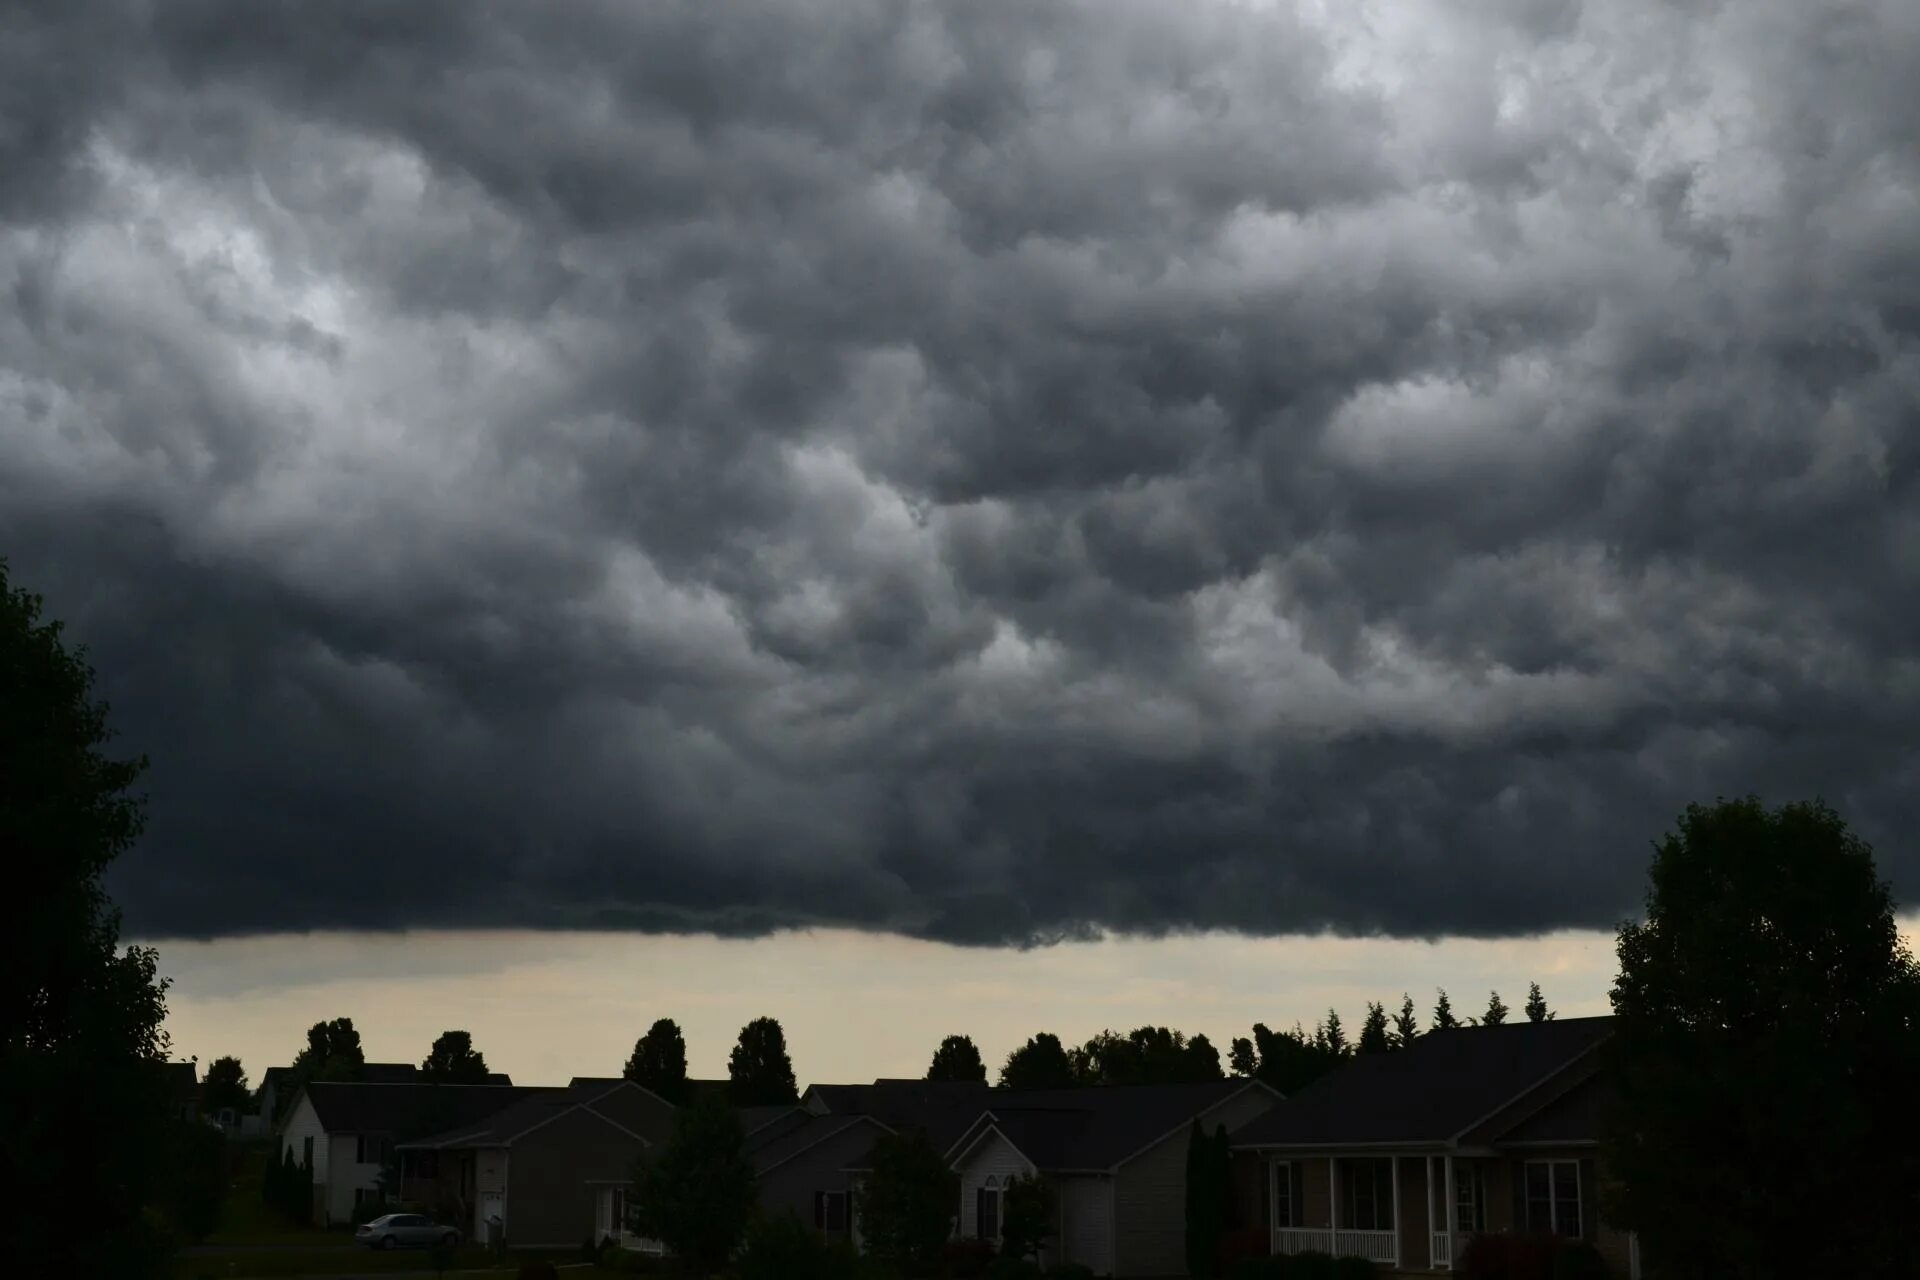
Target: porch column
1453,1248
1397,1226
1333,1208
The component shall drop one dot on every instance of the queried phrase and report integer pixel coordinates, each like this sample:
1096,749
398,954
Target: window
617,1211
1286,1193
372,1148
1366,1195
986,1211
1553,1196
1469,1198
830,1211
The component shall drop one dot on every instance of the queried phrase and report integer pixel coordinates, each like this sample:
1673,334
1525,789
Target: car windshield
384,1219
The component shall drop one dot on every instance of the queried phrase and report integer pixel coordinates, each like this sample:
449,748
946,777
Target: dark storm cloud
988,471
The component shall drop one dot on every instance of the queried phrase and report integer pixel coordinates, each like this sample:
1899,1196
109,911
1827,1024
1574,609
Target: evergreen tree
698,1194
454,1060
1041,1063
1766,1004
1373,1032
83,1089
1333,1035
1443,1019
1405,1029
957,1058
1537,1010
659,1062
759,1073
906,1203
1496,1013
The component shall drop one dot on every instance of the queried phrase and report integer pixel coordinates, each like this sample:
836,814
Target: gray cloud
985,471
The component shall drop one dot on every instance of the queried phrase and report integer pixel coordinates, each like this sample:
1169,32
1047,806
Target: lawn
277,1263
246,1220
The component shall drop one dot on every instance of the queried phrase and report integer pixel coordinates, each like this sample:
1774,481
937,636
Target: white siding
304,1123
1150,1193
993,1157
1086,1211
346,1174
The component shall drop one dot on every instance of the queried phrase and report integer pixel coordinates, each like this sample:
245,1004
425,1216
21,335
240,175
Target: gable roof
1097,1127
620,1104
1446,1083
374,1073
1573,1119
408,1111
801,1138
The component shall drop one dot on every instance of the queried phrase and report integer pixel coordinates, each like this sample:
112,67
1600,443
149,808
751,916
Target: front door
492,1206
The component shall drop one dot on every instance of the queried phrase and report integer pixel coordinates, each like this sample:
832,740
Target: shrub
1311,1265
783,1249
590,1251
1578,1261
966,1259
1259,1269
1008,1267
1354,1269
1529,1257
1248,1243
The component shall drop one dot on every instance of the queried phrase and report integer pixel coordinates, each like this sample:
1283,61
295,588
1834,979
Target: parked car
405,1230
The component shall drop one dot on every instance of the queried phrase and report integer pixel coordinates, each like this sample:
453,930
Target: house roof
811,1132
1444,1084
374,1073
409,1111
620,1103
1572,1119
1098,1127
762,1125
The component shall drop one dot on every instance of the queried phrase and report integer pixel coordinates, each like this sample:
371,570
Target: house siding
1150,1193
346,1175
790,1186
995,1158
1086,1227
554,1175
304,1123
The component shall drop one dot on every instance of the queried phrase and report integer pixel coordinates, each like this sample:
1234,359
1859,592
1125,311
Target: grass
244,1219
335,1261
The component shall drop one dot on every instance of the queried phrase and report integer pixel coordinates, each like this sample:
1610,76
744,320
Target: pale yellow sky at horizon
545,1007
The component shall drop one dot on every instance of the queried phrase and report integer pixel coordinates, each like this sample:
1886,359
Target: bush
1259,1269
1530,1257
1311,1265
1578,1261
1354,1269
783,1249
590,1251
966,1259
1008,1267
1248,1243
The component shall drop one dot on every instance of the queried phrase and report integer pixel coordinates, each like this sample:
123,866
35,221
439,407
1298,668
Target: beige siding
1086,1229
993,1157
554,1176
1150,1193
790,1187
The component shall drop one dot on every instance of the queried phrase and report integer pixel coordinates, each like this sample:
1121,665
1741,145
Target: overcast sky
991,472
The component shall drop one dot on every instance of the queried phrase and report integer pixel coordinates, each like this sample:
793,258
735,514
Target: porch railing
1442,1249
1375,1246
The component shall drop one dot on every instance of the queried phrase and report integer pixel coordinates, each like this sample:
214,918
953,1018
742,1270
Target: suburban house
183,1089
346,1131
1403,1157
800,1166
1116,1156
549,1170
275,1082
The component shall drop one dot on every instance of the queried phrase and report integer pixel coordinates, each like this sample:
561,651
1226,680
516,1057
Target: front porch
1408,1211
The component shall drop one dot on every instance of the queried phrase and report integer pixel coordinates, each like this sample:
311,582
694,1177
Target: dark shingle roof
627,1106
795,1139
1099,1127
409,1111
764,1124
1573,1117
1444,1084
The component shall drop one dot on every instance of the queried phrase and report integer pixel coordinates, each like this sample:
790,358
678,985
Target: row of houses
1400,1158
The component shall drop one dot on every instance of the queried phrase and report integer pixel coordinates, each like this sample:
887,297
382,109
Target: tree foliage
1242,1058
759,1073
1373,1032
83,1100
698,1194
1145,1055
1290,1060
287,1188
225,1085
659,1061
1496,1014
1040,1063
1536,1006
1764,1053
1029,1210
1443,1019
196,1184
907,1203
1209,1199
454,1060
1406,1029
957,1058
332,1052
1331,1036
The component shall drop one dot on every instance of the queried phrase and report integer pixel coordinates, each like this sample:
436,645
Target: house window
986,1211
1469,1199
830,1211
1553,1197
1366,1195
1286,1193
